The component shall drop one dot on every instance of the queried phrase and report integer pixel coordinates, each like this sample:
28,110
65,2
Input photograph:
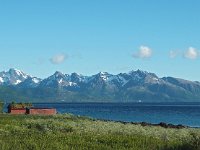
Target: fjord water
174,113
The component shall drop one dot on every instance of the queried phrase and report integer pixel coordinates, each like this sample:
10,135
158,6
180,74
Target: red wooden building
18,109
41,111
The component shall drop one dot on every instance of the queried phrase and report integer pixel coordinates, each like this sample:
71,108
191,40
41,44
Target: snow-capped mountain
12,77
78,78
129,86
140,78
133,78
58,79
30,82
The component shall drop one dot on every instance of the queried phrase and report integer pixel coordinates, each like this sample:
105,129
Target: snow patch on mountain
72,84
104,75
122,80
35,80
1,80
17,82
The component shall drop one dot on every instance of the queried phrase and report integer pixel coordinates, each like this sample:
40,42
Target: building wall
42,111
18,111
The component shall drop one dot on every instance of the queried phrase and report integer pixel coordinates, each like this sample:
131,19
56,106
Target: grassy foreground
62,132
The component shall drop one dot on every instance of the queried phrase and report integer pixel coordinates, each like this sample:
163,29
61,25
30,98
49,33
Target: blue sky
40,37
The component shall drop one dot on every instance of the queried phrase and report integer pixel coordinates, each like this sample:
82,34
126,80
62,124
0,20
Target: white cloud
58,59
191,53
144,52
173,54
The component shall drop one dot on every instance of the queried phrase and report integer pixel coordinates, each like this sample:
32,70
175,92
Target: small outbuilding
17,111
41,111
18,108
27,108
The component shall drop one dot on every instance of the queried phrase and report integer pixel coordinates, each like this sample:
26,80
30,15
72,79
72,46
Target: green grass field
63,132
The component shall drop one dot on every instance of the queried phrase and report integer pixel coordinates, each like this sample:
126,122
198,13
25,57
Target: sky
41,37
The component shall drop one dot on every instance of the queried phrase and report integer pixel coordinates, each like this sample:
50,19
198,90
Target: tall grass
62,132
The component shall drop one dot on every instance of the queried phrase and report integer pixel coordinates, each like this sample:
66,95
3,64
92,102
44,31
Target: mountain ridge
133,86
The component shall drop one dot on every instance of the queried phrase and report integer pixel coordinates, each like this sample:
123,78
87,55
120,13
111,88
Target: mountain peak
75,74
105,76
138,72
58,74
13,77
103,73
18,72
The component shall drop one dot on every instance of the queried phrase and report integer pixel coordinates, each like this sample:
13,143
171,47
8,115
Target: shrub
48,126
1,106
20,105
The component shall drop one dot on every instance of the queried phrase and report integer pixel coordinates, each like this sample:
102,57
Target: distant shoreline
161,124
168,115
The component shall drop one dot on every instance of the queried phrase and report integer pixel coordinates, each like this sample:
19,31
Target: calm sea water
175,113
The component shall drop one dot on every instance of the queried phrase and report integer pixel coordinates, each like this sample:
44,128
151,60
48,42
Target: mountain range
135,86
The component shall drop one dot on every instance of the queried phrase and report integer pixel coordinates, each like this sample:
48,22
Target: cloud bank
191,53
174,53
144,52
58,59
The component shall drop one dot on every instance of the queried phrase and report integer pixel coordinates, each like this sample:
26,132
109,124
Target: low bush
1,106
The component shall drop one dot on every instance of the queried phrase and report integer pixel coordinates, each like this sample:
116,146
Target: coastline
175,115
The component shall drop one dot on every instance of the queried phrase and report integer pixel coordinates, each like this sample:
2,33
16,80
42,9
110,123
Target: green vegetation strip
62,132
